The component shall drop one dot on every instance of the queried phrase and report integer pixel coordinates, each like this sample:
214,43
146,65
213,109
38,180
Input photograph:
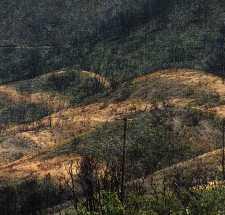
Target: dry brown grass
70,122
210,161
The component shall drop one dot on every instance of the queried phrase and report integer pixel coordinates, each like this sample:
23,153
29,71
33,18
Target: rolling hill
190,104
71,71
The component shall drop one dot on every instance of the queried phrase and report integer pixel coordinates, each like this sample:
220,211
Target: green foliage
80,211
109,205
202,202
209,202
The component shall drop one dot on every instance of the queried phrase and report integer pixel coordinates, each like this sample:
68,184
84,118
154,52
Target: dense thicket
117,38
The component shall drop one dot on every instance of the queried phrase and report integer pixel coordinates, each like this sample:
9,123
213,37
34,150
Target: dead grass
210,160
69,122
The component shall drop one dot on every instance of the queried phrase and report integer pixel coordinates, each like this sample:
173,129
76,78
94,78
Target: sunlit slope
195,101
29,107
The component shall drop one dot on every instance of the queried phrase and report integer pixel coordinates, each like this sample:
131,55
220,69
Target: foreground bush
31,197
109,205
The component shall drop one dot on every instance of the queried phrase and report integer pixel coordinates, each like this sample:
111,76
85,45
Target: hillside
190,104
112,107
57,119
31,109
117,39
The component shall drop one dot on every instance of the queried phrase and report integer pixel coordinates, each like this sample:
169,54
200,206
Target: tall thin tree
123,172
223,147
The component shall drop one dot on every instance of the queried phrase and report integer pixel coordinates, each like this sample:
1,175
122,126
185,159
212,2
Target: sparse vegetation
156,140
162,135
122,128
22,113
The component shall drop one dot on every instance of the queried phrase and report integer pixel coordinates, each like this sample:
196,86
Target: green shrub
208,202
109,205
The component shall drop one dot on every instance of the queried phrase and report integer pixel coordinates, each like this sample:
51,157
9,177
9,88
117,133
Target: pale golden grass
210,186
66,125
71,122
39,167
40,98
192,78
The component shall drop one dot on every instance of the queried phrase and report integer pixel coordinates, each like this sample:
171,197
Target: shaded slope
119,39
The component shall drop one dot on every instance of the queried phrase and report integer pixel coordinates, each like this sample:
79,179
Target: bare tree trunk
124,161
223,153
223,73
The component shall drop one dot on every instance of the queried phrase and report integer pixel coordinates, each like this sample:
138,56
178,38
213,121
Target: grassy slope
195,99
29,108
